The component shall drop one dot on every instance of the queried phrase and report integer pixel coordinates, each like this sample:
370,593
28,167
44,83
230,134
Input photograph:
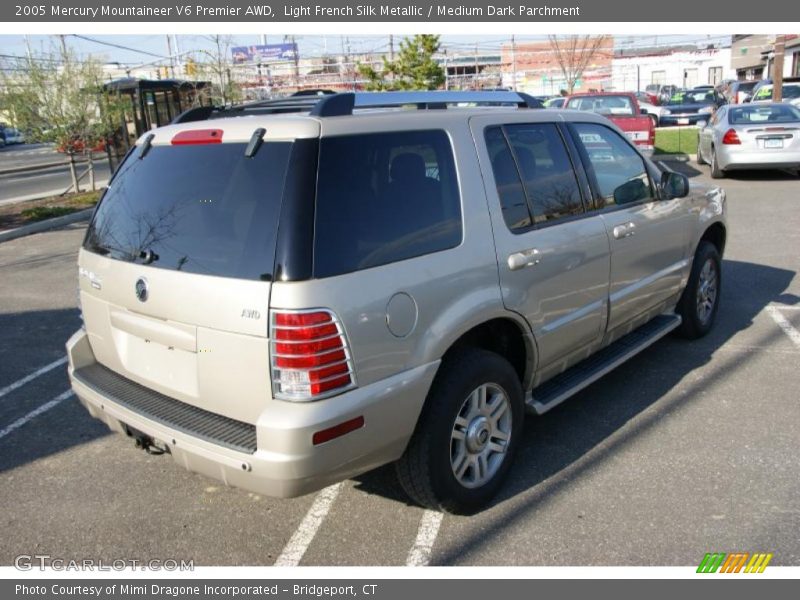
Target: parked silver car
750,136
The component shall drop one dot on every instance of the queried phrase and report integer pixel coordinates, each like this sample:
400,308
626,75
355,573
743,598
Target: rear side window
383,198
203,209
533,173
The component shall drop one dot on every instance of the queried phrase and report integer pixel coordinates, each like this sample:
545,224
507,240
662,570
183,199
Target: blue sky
142,46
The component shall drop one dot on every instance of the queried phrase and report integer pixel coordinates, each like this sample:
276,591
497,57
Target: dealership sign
263,53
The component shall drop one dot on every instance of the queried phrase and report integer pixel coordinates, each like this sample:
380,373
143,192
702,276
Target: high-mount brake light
197,136
309,355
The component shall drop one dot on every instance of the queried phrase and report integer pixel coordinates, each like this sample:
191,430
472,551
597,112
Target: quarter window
617,169
382,198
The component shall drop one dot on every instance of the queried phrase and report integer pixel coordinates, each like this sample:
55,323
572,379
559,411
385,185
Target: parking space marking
420,553
32,376
293,553
784,324
35,413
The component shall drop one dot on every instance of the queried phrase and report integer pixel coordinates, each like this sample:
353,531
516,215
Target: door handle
624,231
525,258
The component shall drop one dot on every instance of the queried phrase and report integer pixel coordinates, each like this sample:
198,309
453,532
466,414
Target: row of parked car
671,106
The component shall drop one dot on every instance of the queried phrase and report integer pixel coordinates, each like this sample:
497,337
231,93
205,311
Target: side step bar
553,392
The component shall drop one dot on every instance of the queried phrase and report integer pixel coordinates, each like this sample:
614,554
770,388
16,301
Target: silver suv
289,293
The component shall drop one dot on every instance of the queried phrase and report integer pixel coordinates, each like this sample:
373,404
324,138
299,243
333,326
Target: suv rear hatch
177,263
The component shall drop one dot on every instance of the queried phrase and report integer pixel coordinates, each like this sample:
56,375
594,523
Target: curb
38,227
99,184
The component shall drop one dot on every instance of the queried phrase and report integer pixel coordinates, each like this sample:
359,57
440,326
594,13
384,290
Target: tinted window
546,170
617,169
533,173
507,180
769,113
200,209
383,198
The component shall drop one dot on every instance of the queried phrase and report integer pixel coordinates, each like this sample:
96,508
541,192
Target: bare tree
574,53
217,67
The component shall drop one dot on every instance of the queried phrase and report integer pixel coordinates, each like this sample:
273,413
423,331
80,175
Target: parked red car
623,110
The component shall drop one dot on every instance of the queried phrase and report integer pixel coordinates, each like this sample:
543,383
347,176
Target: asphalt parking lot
691,447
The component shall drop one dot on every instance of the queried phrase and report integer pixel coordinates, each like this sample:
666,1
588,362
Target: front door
648,236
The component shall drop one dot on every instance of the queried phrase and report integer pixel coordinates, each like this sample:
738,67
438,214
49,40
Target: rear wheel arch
505,337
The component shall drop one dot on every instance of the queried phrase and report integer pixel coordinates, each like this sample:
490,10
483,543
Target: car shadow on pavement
30,341
554,448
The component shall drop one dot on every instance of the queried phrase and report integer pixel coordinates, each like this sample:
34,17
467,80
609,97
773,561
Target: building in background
532,67
680,66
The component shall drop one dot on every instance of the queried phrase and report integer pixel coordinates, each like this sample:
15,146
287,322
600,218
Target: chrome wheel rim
480,435
707,291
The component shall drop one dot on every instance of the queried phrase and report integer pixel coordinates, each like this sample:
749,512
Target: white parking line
420,554
784,324
293,552
32,376
35,413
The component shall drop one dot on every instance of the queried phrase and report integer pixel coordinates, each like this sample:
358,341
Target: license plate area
773,143
683,121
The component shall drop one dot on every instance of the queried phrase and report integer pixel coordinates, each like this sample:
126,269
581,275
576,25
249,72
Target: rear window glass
776,113
203,209
603,105
382,198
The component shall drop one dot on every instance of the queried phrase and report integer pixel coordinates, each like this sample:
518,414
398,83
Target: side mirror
643,111
702,124
674,185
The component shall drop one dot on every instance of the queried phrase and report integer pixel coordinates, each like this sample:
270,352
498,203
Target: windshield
771,113
604,105
692,97
199,208
790,92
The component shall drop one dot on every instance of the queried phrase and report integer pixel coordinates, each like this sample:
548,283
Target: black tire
696,322
700,160
425,470
716,172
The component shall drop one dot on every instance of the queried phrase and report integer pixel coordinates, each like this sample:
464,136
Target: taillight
310,357
731,137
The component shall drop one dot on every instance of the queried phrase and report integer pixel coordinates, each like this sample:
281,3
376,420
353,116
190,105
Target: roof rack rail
344,103
336,105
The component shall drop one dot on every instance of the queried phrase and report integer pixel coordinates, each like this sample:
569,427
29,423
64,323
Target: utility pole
63,39
296,63
171,57
777,67
475,81
513,64
263,39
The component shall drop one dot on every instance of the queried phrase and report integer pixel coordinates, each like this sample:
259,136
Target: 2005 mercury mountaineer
285,294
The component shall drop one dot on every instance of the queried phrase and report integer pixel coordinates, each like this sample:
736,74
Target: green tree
413,69
55,97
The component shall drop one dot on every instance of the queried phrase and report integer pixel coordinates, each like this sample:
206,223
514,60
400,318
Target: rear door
553,253
649,236
177,266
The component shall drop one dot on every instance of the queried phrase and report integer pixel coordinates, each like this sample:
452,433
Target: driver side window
617,169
